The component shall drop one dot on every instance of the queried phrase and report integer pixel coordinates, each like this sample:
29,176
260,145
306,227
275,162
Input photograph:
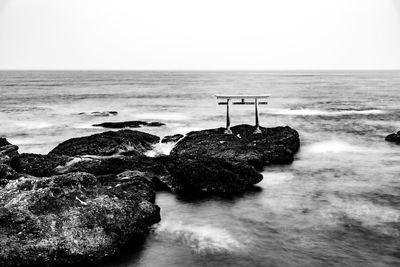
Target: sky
200,35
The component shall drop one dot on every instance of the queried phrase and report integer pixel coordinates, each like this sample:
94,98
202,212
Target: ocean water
338,204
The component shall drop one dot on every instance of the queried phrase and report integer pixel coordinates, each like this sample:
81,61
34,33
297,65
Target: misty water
337,204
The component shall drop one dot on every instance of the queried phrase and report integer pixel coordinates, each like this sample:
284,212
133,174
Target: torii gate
244,100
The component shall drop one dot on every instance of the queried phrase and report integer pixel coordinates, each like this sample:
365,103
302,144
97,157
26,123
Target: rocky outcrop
172,138
8,173
106,144
73,218
208,175
393,138
99,113
128,124
38,165
210,161
150,167
7,151
272,146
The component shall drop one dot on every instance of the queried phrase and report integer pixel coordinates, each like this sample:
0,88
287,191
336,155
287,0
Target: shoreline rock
393,138
72,218
106,143
272,146
100,113
172,138
128,124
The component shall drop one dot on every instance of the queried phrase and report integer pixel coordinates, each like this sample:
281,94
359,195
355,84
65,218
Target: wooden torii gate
243,100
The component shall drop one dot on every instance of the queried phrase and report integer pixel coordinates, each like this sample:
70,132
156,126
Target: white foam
32,124
333,146
202,239
160,149
369,214
275,178
317,112
167,116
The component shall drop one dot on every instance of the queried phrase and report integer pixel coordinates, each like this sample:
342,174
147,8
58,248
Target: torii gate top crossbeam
241,96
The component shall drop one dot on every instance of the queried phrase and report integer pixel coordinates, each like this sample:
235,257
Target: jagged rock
128,124
7,173
72,218
100,113
153,169
107,143
393,138
7,151
272,145
38,165
172,138
209,175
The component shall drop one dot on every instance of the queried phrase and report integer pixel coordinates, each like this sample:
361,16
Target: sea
337,204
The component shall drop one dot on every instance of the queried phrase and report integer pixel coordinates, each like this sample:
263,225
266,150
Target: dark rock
119,125
100,113
394,138
172,138
155,124
128,124
72,218
107,143
209,175
153,169
7,151
7,173
38,165
272,145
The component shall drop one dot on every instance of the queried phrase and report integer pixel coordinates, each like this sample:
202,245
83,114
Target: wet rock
38,165
72,218
100,113
7,151
107,143
273,145
153,169
128,124
208,175
172,138
393,138
7,173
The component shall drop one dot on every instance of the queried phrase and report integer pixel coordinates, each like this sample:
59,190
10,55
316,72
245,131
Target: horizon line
199,70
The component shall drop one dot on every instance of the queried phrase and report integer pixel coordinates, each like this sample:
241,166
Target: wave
160,149
168,116
202,239
334,146
275,178
318,112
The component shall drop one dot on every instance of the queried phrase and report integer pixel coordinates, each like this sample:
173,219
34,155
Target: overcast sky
202,34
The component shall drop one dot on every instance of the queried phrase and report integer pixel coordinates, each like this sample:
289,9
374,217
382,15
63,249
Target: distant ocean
337,204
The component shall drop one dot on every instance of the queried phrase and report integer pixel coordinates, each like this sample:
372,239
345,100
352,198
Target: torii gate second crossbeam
244,100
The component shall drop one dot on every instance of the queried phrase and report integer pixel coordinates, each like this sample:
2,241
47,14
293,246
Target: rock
394,138
155,124
7,173
153,169
208,175
273,145
100,113
72,218
38,165
172,138
107,143
128,124
7,151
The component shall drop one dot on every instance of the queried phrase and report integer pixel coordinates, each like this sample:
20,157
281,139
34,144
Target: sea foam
202,239
317,112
